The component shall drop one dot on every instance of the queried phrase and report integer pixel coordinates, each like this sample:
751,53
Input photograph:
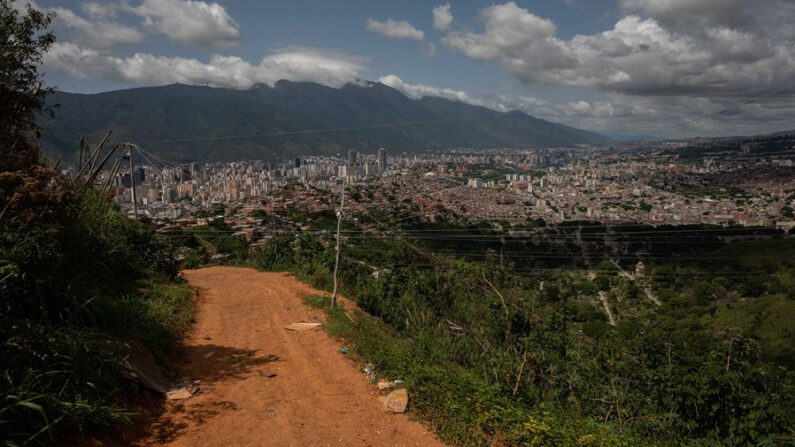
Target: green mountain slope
363,117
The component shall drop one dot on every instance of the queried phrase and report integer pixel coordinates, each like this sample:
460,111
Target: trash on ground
179,394
185,392
301,326
207,337
140,365
344,350
368,368
373,378
396,401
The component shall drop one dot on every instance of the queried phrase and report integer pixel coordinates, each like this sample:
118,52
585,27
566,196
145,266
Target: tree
276,254
23,42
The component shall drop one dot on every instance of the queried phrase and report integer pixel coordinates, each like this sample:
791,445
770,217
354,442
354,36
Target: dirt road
262,385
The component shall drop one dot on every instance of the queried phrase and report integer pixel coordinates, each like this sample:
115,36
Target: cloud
663,117
442,17
189,21
100,31
429,49
398,29
98,11
639,56
417,91
296,64
621,113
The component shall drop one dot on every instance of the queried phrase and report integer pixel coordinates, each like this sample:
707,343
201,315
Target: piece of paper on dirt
179,394
301,326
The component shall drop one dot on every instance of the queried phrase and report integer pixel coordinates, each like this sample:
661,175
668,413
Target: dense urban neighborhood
659,185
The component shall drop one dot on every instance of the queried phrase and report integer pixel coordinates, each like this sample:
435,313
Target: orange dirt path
318,396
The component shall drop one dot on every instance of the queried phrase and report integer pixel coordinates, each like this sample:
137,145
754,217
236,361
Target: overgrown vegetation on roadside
532,360
78,280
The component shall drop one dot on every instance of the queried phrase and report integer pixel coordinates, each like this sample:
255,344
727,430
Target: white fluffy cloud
398,29
189,21
296,64
645,56
417,91
101,30
442,17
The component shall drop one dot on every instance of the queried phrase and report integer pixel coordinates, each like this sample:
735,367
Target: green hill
363,118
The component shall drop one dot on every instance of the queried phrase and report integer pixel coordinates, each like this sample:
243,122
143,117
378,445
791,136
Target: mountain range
199,123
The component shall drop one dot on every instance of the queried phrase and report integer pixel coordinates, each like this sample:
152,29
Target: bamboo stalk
93,155
96,171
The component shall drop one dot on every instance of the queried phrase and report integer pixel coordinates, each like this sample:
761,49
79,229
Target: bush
79,280
276,254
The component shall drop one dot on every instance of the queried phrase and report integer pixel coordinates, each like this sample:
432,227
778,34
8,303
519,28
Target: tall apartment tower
381,160
352,157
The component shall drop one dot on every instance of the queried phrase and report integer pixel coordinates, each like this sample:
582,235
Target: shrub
73,270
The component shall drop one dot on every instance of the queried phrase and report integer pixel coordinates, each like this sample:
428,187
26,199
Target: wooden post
337,254
132,182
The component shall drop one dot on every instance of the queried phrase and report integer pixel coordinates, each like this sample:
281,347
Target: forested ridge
197,123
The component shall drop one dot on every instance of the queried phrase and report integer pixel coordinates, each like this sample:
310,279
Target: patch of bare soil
263,385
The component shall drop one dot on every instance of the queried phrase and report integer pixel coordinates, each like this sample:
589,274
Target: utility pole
337,255
132,180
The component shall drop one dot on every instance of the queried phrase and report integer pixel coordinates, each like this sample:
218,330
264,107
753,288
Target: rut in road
263,385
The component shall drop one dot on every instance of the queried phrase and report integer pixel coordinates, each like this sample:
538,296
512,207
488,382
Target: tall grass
77,281
462,407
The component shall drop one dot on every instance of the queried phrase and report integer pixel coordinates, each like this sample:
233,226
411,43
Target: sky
643,67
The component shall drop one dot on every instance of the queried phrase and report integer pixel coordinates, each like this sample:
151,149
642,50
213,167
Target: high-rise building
168,194
140,177
185,174
381,160
352,157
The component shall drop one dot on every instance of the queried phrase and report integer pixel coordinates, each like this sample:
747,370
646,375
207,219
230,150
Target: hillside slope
366,114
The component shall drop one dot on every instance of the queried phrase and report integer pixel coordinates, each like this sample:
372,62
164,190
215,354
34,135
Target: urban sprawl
656,187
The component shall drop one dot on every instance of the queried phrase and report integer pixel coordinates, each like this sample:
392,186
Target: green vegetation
24,42
532,361
713,192
209,244
79,282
